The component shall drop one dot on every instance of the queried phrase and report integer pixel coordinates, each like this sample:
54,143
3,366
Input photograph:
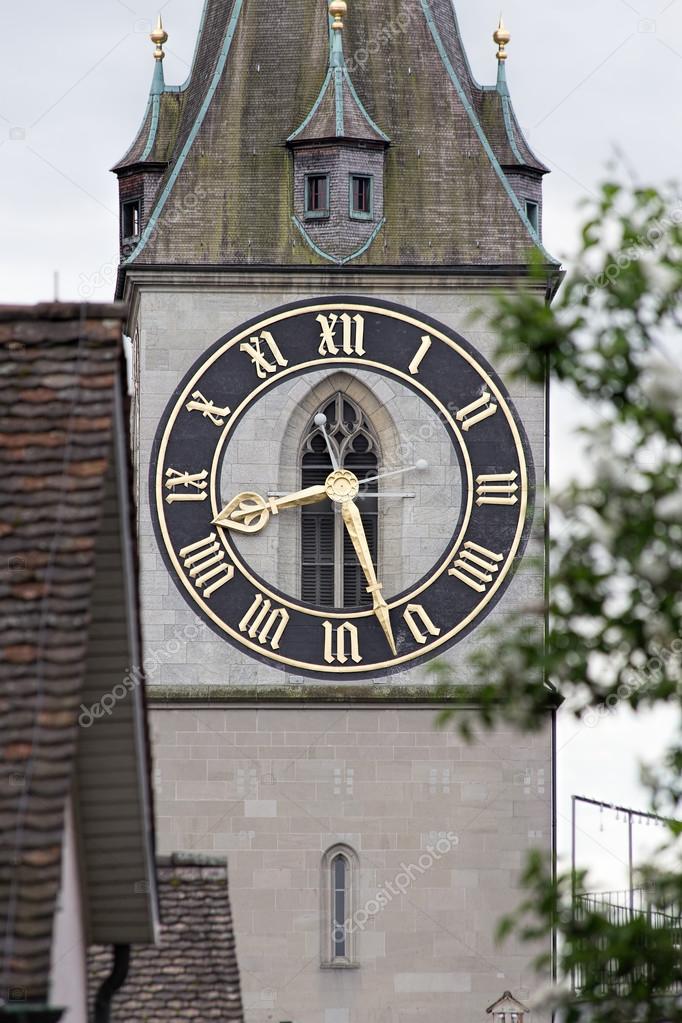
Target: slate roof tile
447,201
193,973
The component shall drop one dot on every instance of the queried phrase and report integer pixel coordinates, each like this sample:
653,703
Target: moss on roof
505,136
446,200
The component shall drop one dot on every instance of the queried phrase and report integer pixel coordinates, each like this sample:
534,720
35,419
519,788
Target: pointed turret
141,169
160,37
338,112
522,168
508,1009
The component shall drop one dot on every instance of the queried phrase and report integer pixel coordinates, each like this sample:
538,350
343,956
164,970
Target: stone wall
440,830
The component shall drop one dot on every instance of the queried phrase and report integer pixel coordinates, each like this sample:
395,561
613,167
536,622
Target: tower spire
337,12
502,37
158,36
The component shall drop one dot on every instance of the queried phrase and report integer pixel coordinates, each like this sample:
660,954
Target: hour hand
356,531
250,513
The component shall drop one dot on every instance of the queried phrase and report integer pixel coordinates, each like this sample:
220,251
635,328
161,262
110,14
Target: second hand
421,466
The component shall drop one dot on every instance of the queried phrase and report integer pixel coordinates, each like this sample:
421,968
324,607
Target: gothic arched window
340,871
339,881
331,575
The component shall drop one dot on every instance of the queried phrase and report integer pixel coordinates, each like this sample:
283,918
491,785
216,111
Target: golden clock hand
250,513
312,495
356,531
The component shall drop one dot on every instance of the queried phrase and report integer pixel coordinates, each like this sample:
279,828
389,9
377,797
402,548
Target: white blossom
652,567
669,509
662,383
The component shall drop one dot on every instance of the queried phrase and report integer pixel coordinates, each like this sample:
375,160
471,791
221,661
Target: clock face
366,562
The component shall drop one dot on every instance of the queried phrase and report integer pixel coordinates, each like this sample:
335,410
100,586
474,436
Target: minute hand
356,531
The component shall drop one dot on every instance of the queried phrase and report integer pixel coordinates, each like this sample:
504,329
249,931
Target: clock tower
340,490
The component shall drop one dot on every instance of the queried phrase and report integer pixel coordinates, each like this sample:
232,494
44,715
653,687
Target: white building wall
68,975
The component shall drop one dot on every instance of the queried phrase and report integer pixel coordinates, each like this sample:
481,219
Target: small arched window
339,906
331,575
339,877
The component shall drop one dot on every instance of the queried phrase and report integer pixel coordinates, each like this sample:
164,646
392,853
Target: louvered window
331,575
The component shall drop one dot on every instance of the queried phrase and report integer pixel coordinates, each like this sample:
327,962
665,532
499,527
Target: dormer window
361,196
316,196
130,219
533,214
338,148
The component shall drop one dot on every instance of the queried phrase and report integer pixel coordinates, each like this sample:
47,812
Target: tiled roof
338,114
447,200
192,974
58,367
157,134
503,131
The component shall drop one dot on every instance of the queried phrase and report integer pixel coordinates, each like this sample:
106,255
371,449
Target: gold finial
338,9
159,36
502,36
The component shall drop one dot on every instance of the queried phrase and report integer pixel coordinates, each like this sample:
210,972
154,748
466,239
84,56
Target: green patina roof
157,137
447,201
499,121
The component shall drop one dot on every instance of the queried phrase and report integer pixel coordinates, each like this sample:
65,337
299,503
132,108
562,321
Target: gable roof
447,199
507,1003
61,384
192,974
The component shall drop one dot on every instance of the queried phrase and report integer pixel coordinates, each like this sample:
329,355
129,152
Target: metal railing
623,905
621,908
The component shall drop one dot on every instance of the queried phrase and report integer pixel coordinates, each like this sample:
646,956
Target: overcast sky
591,81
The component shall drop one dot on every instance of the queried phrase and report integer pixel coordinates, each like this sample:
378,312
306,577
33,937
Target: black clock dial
199,527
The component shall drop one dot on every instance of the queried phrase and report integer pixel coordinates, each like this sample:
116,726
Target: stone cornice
300,694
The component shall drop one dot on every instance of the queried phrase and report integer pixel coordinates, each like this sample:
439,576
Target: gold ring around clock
342,486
